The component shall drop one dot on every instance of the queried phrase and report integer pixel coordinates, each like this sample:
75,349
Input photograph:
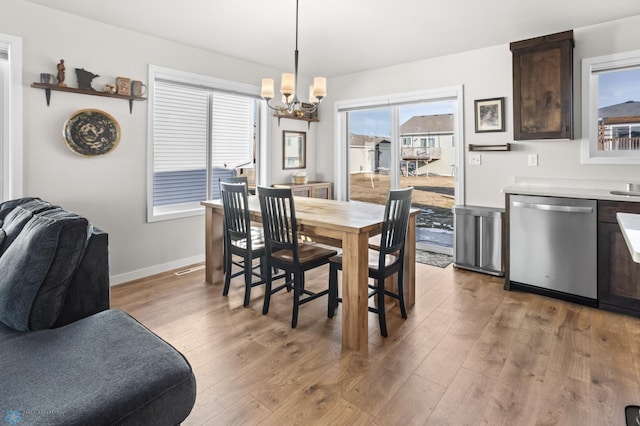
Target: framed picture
294,150
489,115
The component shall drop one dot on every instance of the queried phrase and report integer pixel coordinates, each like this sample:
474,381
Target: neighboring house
619,127
427,147
428,144
369,154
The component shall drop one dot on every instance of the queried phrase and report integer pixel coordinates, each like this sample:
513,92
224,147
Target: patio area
433,194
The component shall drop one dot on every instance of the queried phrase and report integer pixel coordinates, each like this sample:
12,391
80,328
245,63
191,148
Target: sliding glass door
369,154
407,144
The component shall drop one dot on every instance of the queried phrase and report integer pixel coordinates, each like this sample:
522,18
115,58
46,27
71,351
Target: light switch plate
474,159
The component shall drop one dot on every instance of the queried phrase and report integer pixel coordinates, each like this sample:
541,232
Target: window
201,130
406,141
10,117
611,109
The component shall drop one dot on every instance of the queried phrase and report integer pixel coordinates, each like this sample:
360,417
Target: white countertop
570,188
630,226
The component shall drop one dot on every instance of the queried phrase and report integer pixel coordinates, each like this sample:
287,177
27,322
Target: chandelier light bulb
312,98
319,87
287,87
267,88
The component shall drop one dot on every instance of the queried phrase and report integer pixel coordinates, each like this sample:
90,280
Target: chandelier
288,87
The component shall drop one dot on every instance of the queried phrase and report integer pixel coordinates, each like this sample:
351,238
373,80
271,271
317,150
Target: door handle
552,207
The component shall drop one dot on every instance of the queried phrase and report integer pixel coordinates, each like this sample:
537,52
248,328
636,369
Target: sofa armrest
89,290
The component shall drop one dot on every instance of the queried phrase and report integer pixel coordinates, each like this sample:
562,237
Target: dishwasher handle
552,207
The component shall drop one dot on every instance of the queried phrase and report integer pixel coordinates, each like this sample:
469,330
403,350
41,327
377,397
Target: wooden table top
342,216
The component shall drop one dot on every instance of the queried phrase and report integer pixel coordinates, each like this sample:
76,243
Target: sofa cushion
72,241
18,216
7,206
105,369
37,268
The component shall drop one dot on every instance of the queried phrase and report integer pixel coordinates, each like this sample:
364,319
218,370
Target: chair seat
374,255
257,241
307,253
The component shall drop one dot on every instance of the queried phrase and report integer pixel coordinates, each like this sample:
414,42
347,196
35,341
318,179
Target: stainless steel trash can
478,239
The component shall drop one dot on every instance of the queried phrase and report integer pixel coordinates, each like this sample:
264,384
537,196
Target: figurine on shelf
84,79
61,69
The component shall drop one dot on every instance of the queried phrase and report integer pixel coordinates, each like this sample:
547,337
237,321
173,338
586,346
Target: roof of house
423,124
625,109
365,140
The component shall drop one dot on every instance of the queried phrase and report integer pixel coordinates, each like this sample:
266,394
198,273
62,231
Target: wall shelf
292,117
500,147
49,87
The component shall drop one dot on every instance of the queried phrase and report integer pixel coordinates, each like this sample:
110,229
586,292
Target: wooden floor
469,353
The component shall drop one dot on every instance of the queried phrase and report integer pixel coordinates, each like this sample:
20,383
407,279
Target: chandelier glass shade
288,89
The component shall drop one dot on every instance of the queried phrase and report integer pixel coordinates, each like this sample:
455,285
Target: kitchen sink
631,193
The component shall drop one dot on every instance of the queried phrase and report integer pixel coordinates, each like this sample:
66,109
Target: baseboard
153,270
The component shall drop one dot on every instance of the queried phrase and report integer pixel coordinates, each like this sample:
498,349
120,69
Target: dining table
346,224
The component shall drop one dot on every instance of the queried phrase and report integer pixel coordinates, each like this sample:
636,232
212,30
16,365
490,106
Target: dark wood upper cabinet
543,87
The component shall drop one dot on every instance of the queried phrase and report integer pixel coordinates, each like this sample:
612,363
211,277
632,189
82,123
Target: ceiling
344,36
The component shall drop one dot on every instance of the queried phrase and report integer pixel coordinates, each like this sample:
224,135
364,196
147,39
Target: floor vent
189,270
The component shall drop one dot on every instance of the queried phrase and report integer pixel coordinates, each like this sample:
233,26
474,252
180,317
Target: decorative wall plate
91,132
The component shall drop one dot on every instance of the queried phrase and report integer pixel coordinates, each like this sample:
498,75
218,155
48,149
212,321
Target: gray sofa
65,356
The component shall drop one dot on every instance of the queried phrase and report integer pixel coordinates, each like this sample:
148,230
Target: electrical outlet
474,159
533,159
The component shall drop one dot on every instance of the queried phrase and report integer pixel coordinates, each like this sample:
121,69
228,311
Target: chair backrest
279,220
396,221
234,179
236,215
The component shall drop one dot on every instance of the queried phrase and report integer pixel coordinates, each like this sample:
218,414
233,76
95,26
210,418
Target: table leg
355,315
410,264
214,268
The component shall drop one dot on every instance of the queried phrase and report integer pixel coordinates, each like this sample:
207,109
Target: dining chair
256,230
285,252
387,260
240,239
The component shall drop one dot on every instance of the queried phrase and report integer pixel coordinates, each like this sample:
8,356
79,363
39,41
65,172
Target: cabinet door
321,191
543,87
618,274
302,191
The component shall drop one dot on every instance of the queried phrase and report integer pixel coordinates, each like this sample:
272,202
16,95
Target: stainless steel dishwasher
553,246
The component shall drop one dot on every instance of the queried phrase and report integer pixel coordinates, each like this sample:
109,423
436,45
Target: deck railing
422,153
619,144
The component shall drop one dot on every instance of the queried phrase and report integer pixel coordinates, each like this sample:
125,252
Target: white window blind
232,119
190,125
180,144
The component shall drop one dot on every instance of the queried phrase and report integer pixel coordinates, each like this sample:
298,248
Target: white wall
111,190
486,73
